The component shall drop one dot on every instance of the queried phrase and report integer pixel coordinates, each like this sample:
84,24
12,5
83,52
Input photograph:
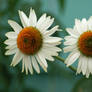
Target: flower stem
62,60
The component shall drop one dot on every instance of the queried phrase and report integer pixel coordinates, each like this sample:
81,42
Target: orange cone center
85,43
29,40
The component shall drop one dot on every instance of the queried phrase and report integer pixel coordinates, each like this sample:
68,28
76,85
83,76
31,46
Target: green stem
61,59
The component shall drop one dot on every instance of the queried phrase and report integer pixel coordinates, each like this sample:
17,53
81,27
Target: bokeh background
59,78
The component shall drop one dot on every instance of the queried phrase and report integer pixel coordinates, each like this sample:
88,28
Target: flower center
29,40
85,43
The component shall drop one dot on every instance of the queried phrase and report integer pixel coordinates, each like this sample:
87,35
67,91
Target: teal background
59,78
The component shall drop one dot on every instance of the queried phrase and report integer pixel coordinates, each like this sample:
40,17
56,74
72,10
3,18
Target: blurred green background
59,78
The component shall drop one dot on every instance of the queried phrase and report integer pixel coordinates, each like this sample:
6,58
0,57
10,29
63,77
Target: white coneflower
33,42
79,43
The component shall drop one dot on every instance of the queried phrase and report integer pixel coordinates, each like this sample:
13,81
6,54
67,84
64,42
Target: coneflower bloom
79,43
32,44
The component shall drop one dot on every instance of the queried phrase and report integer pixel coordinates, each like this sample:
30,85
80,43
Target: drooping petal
79,66
17,58
50,52
27,64
87,72
47,55
84,64
72,58
43,60
35,64
41,63
90,65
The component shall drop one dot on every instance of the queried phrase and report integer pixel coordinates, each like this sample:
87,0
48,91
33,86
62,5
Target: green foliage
83,85
62,4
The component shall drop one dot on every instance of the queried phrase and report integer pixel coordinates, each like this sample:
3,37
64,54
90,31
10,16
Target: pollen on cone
85,43
29,40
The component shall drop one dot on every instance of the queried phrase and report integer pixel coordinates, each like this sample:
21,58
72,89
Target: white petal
51,31
11,35
69,48
11,51
90,64
43,60
80,26
41,20
32,18
90,23
71,41
41,63
52,48
87,72
79,66
25,61
24,19
84,64
84,25
69,37
10,41
27,64
11,46
54,44
35,65
23,65
52,39
30,66
72,57
90,18
17,28
72,32
46,24
84,21
17,58
47,55
50,52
